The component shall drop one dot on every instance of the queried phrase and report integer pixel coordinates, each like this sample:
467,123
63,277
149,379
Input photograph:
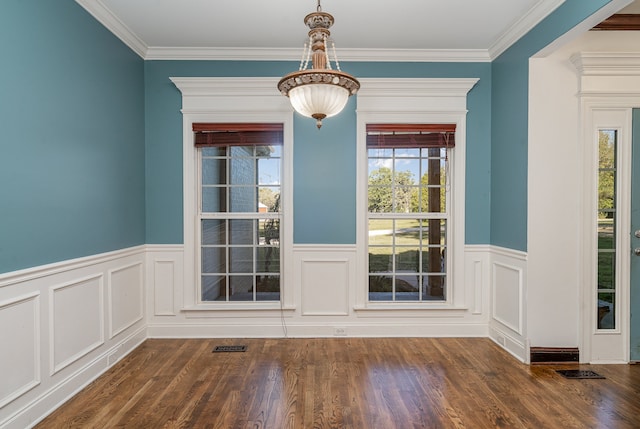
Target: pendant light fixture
320,91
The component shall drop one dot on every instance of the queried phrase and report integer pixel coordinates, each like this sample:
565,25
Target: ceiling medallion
320,91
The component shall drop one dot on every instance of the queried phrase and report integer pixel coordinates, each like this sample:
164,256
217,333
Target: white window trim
233,100
415,101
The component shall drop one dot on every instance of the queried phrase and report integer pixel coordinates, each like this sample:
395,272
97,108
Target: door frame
609,90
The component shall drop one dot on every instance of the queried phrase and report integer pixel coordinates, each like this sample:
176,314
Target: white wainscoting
71,321
508,290
324,275
20,339
64,324
322,286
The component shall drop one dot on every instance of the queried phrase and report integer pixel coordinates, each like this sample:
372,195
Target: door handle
636,251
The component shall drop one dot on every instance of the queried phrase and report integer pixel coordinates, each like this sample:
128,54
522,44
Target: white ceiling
463,30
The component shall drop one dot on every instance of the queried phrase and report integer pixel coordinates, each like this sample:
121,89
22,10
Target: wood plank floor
365,383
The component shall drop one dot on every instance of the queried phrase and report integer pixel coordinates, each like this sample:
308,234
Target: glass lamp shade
318,100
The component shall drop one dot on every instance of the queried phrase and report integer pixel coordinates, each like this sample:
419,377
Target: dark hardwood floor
347,383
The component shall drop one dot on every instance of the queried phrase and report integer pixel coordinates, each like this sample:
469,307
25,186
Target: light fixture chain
306,63
304,54
335,55
326,53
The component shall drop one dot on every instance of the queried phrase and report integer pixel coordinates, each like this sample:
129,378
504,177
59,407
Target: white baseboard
276,330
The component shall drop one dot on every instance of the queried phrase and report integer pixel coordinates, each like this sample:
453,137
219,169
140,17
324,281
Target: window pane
241,231
269,171
380,200
269,199
269,232
433,260
407,288
213,151
269,151
402,198
433,285
268,259
434,232
607,228
242,171
268,288
380,232
407,232
241,151
407,153
214,231
214,288
240,259
380,259
241,288
606,189
214,199
380,153
606,270
380,288
407,260
606,234
243,199
214,171
606,310
214,260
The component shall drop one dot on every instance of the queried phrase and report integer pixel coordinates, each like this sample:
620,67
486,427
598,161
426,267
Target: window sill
237,309
410,310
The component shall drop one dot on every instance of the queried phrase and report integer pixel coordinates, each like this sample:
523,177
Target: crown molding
100,12
539,12
291,54
104,16
607,63
227,86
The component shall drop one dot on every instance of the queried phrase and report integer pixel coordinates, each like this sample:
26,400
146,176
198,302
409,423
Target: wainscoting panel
164,280
164,285
507,297
325,287
126,291
76,320
20,342
508,291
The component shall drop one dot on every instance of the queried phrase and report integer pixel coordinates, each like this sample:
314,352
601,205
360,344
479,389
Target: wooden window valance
410,136
231,134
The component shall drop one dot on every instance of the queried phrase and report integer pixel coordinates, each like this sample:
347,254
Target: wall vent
233,348
551,355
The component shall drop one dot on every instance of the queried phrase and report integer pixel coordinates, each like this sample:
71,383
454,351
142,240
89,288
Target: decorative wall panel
76,320
125,297
20,343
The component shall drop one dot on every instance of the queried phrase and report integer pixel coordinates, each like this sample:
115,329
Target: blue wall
71,136
509,122
324,160
90,142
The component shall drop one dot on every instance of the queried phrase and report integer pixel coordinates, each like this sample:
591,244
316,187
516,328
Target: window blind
410,136
237,134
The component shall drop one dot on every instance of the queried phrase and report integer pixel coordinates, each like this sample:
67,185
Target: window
407,214
240,178
607,228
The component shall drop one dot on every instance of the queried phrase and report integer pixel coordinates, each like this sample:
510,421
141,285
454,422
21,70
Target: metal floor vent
579,374
219,349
